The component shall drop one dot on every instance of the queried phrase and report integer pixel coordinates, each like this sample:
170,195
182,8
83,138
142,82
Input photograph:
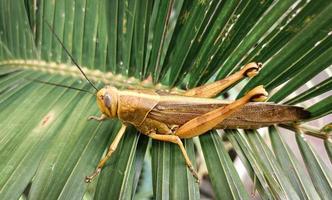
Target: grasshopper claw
88,179
101,118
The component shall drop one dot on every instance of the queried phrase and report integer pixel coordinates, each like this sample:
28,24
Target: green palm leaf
47,146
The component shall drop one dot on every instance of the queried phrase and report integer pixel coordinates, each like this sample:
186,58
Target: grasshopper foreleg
101,118
176,140
111,149
213,89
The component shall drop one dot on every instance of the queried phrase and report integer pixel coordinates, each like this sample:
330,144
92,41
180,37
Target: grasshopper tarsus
194,173
101,118
88,179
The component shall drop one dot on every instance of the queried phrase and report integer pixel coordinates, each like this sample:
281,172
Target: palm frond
47,146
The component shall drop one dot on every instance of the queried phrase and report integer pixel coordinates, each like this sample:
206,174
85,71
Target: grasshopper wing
251,116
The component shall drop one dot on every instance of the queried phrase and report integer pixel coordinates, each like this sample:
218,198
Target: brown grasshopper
170,116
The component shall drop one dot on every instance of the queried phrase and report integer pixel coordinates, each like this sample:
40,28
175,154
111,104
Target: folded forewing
252,115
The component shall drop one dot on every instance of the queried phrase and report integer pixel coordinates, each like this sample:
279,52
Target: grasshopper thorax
107,100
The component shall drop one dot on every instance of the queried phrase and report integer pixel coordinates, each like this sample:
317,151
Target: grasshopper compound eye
107,100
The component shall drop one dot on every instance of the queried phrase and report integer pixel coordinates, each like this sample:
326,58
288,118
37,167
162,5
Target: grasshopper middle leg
213,89
175,139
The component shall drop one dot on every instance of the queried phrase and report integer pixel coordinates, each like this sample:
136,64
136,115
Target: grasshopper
172,116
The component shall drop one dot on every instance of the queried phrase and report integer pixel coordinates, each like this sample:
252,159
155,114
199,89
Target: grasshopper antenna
60,85
71,57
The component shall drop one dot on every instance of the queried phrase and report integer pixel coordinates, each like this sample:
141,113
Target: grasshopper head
107,101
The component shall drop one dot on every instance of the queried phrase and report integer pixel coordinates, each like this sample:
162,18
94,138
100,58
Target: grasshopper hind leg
213,89
208,121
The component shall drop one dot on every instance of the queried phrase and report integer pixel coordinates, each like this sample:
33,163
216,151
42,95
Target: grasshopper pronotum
171,117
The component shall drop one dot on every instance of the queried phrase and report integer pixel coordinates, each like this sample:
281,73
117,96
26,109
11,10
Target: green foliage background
47,146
